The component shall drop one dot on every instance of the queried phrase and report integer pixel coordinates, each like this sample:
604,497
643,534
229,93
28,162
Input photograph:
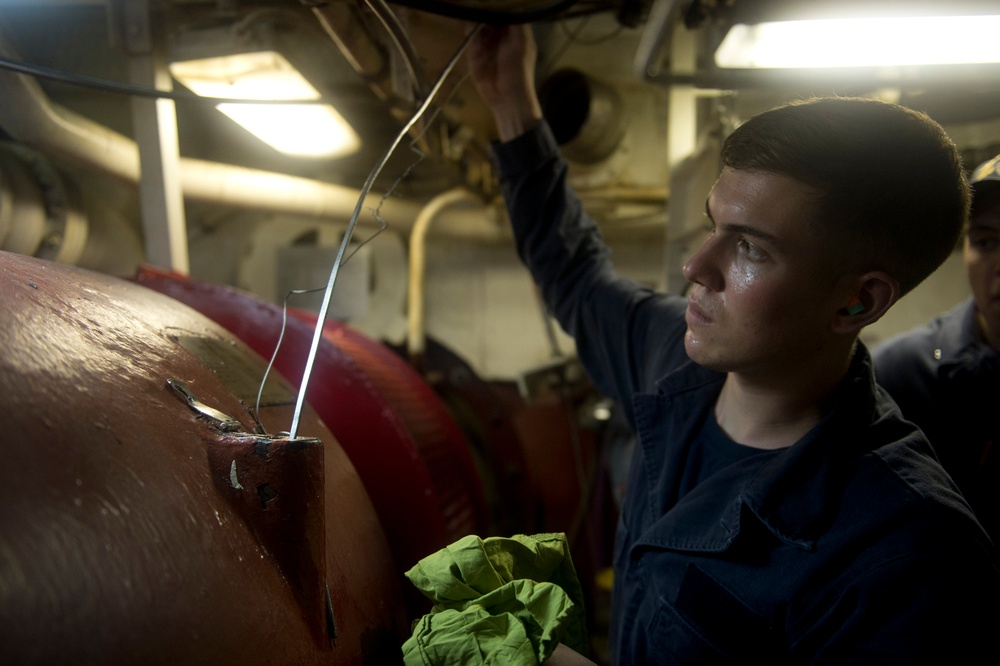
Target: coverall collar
791,494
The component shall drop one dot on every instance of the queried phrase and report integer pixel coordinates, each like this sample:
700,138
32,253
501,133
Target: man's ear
876,293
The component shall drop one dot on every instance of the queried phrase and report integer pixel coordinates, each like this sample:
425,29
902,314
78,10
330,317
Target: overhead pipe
346,28
357,44
28,116
408,53
656,37
416,339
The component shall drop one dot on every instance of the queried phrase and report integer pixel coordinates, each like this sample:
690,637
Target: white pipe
656,37
28,116
416,340
264,190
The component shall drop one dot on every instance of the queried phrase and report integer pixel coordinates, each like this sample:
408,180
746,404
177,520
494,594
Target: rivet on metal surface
221,421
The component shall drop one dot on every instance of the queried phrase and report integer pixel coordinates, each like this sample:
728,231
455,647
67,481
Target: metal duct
587,116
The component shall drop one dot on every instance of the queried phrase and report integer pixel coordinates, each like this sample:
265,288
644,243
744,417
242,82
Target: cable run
109,85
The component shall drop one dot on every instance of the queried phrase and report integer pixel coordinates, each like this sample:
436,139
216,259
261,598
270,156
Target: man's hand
502,65
564,656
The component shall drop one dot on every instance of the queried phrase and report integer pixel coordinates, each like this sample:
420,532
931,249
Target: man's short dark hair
894,194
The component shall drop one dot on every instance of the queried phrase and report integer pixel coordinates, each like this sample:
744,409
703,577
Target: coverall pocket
707,624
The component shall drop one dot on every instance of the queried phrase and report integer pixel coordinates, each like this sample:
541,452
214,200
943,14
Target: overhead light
861,42
306,130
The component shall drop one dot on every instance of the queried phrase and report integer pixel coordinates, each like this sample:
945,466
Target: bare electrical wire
383,225
307,373
274,355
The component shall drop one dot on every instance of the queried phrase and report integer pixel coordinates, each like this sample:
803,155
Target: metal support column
155,126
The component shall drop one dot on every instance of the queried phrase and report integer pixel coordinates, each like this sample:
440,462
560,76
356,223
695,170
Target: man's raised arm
502,64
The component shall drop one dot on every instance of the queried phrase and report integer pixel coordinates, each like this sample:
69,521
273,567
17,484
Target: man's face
763,292
982,263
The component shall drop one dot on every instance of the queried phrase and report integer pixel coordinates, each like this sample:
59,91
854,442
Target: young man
945,376
778,510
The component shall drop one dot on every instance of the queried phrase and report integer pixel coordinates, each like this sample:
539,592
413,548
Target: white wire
274,355
307,372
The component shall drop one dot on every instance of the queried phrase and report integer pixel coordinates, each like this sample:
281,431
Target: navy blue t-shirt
712,451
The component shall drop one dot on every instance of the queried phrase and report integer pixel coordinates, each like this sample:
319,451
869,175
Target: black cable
109,85
462,11
575,38
569,40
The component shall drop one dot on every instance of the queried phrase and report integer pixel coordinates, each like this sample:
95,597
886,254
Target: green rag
497,600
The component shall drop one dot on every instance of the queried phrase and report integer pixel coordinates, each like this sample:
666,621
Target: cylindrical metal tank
145,519
410,453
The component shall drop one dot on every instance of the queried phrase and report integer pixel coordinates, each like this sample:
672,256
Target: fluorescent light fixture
305,130
862,42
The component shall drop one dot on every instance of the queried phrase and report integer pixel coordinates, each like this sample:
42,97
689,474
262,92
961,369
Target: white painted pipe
416,340
28,116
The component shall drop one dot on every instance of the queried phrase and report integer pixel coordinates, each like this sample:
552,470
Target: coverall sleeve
924,609
626,335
